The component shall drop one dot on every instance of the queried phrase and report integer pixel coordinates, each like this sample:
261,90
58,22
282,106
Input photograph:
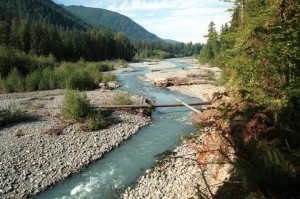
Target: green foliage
96,121
212,48
77,76
108,77
12,58
43,28
12,115
75,105
14,82
43,10
268,171
122,99
259,54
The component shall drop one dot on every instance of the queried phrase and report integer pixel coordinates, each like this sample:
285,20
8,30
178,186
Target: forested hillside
116,22
260,57
35,34
42,28
40,10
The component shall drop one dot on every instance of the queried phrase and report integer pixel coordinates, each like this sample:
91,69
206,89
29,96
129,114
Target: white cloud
181,20
173,19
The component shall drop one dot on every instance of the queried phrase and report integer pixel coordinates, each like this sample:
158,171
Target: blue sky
180,20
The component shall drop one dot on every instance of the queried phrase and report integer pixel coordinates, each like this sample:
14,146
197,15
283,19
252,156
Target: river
122,167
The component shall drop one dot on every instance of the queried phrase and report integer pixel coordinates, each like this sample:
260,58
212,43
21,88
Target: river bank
32,158
167,70
188,172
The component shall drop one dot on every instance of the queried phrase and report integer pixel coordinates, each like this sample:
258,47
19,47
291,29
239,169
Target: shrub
32,81
12,115
108,77
80,80
76,76
75,105
122,99
96,121
14,82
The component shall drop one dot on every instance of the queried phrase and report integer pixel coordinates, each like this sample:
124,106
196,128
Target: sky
180,20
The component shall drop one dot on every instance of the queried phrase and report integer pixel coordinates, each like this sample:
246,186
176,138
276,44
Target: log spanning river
122,167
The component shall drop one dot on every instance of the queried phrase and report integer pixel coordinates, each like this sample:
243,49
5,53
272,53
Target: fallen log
152,106
187,105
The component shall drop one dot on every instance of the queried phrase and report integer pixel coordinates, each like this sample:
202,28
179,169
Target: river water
122,167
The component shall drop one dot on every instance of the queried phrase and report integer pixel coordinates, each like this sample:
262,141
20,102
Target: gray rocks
35,161
176,178
180,176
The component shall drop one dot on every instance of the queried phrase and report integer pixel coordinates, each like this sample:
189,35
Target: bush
108,77
76,76
75,105
122,99
32,81
12,115
14,82
80,80
96,121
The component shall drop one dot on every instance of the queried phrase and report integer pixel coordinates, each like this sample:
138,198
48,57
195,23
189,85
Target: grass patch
123,99
12,115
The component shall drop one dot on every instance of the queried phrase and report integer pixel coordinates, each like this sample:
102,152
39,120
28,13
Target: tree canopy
260,57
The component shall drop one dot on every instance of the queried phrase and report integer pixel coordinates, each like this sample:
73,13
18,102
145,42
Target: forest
38,36
259,54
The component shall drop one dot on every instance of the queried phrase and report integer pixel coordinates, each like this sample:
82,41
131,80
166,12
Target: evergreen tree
212,47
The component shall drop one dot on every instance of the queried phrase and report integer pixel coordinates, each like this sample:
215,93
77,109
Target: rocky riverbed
34,158
189,172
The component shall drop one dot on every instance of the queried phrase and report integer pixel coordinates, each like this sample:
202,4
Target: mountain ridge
115,21
43,10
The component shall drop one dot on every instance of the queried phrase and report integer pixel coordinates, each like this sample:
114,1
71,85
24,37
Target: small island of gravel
32,158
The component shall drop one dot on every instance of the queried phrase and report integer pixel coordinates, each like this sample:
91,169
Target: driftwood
166,82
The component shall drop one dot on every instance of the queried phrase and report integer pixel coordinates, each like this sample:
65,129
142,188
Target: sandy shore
36,160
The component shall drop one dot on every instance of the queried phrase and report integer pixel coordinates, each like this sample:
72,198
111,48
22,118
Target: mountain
112,20
45,11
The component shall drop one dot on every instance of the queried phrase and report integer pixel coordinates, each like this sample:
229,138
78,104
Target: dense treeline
163,50
32,29
40,10
260,49
38,38
260,57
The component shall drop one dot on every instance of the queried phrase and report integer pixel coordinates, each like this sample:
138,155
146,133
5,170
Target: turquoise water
121,167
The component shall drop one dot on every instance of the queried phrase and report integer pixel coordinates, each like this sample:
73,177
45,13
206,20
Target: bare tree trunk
242,13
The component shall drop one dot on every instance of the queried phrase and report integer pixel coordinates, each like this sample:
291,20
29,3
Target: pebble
36,161
177,178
